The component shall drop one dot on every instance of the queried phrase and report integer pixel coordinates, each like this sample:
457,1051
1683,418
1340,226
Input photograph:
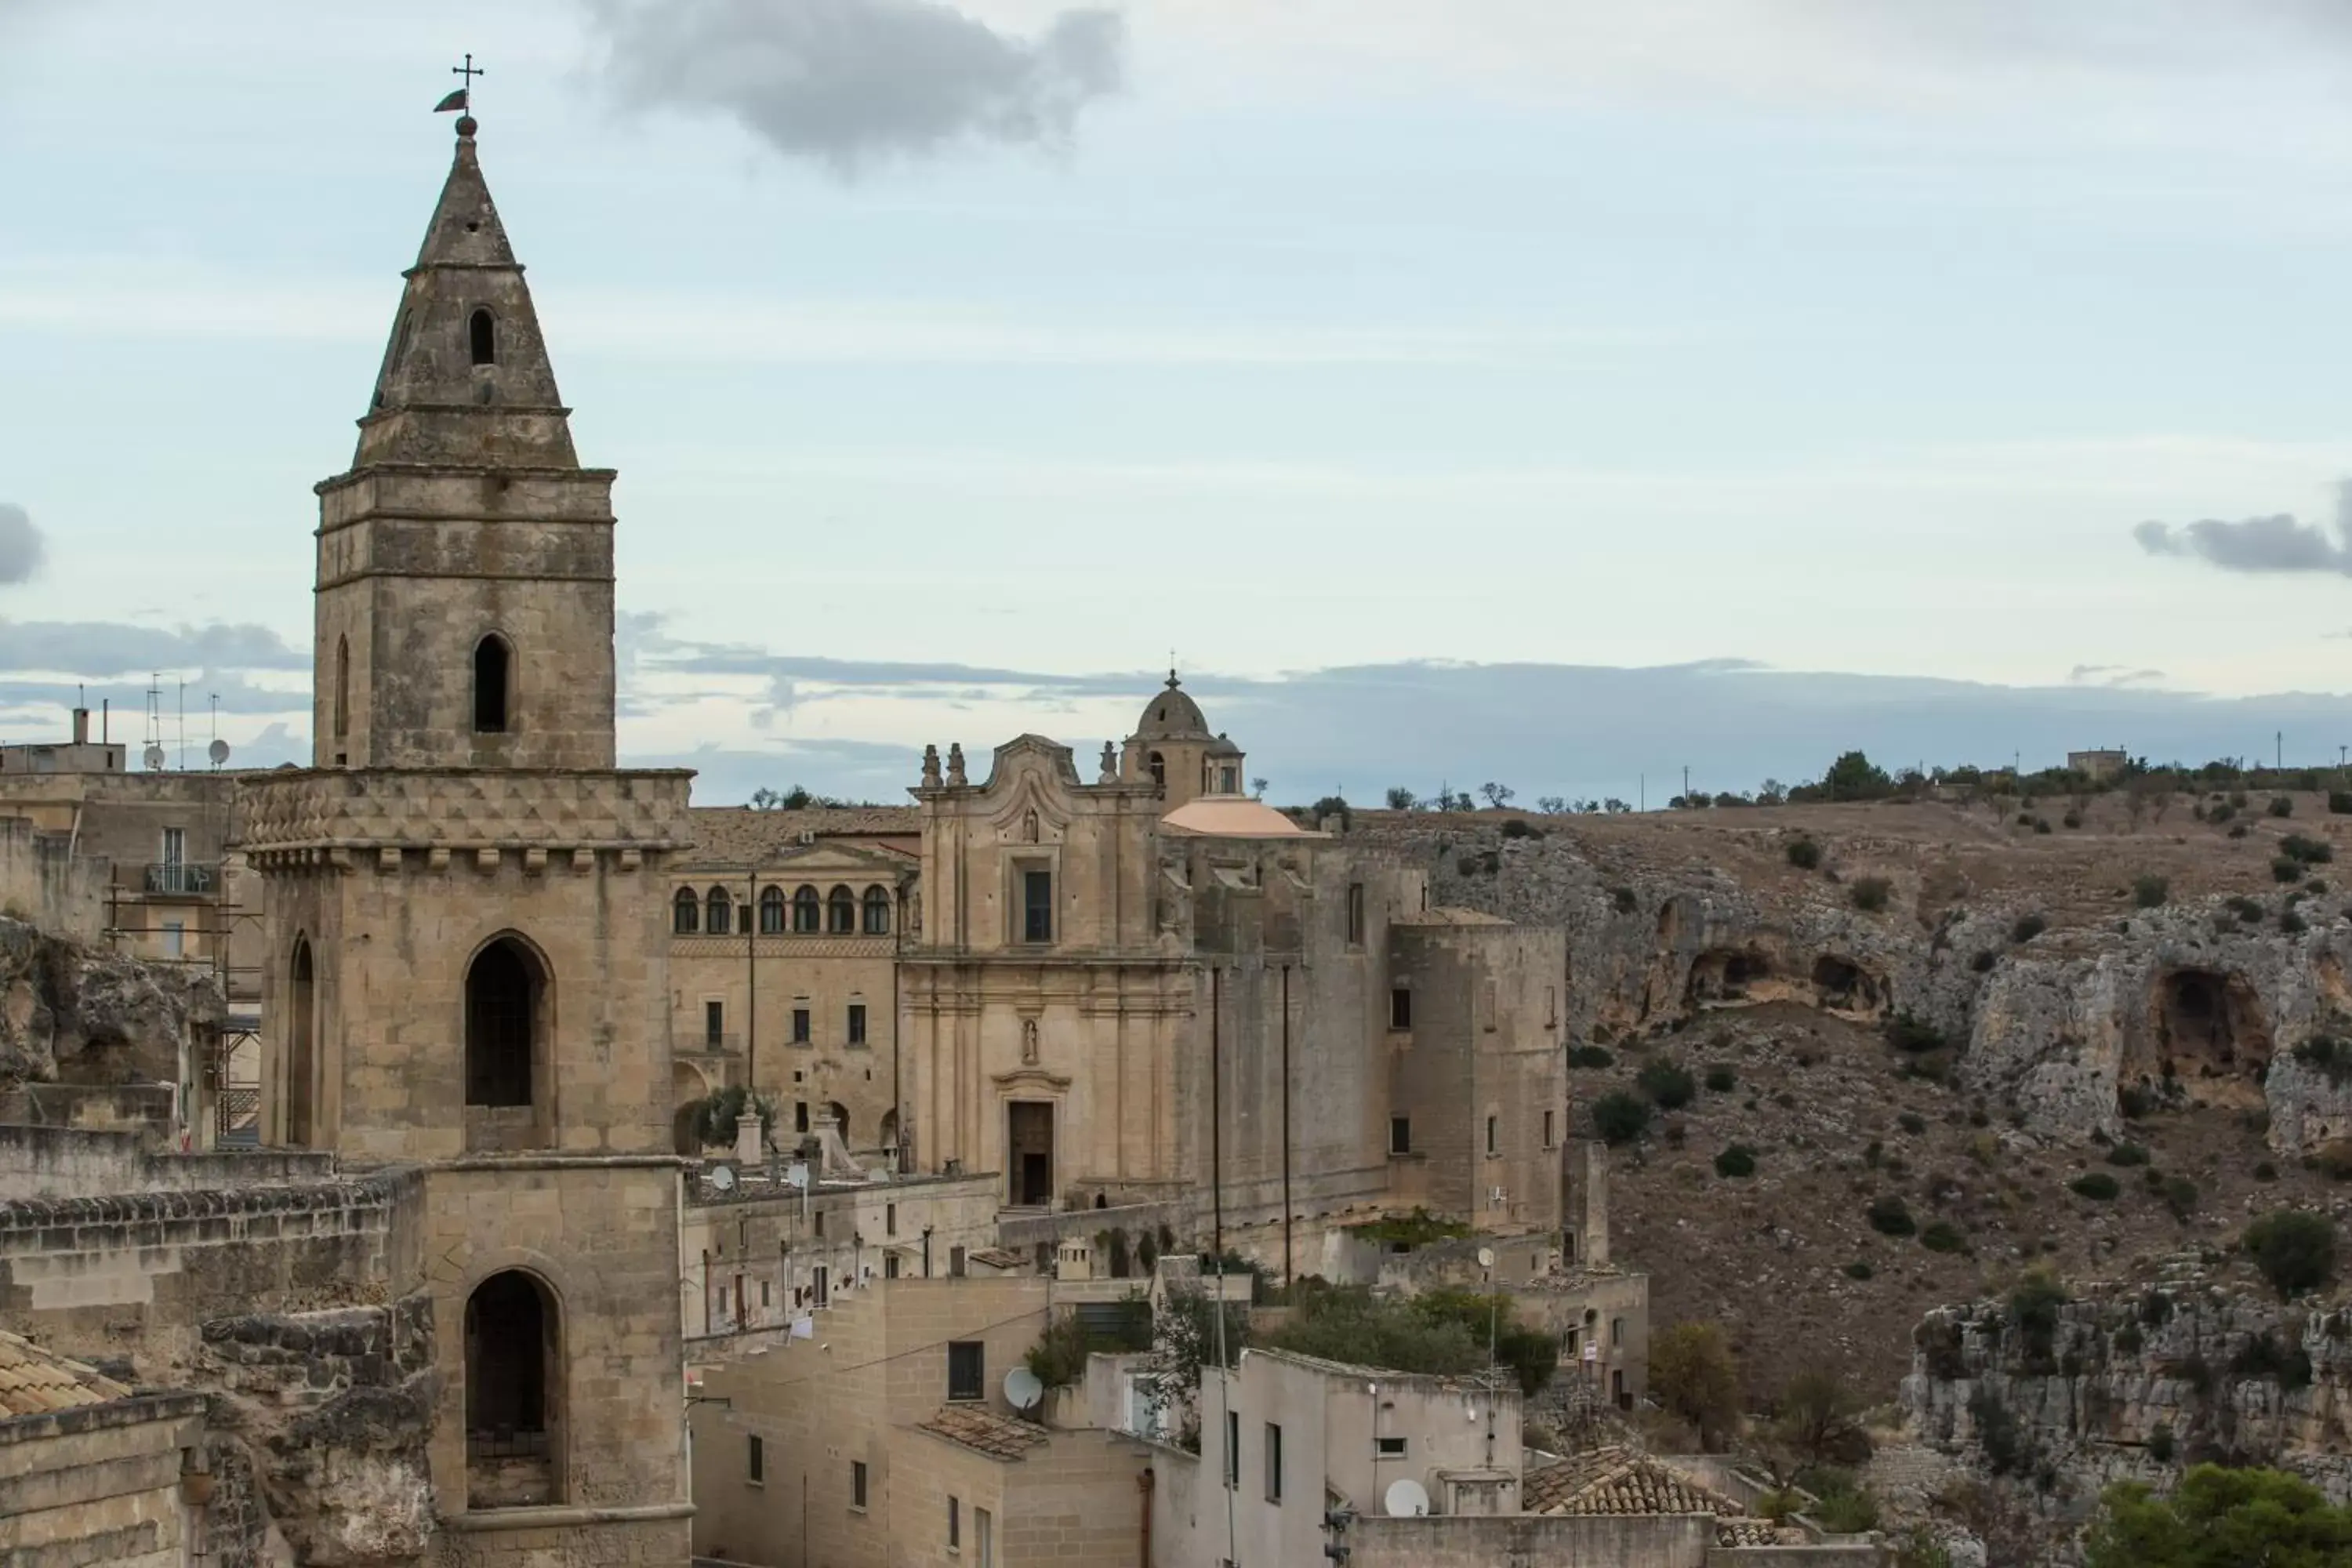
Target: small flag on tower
461,99
454,100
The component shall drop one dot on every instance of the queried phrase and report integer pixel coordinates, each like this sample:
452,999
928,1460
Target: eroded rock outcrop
80,1015
2171,1007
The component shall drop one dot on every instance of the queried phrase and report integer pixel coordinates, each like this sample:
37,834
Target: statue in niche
1029,1042
1029,826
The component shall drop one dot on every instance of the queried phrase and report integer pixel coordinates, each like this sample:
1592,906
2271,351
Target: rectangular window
890,1266
755,1460
714,1024
175,847
955,1262
1400,1135
818,1281
857,1485
955,1524
890,1219
1490,1134
1400,1008
175,937
967,1370
983,1538
857,1023
1550,1142
1355,914
1616,1330
800,1026
763,1292
1390,1448
820,1222
1273,1462
799,1115
1036,906
1234,1449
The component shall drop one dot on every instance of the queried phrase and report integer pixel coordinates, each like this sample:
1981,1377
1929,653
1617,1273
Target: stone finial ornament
1109,765
955,766
930,767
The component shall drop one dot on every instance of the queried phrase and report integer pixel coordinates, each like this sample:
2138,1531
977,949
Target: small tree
1694,1376
1855,777
1551,805
2295,1248
1184,1339
1258,788
1497,794
1668,1082
1820,1419
1620,1118
1400,798
1332,805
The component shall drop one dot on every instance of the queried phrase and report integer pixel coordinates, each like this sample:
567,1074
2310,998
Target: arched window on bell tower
493,676
482,336
342,686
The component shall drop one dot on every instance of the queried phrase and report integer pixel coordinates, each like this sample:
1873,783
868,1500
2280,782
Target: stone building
466,923
91,1471
885,1438
1153,995
783,955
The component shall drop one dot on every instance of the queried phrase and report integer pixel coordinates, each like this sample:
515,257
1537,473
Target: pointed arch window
719,912
342,686
302,1053
482,336
686,912
877,911
505,1002
808,914
841,912
493,673
1159,773
771,912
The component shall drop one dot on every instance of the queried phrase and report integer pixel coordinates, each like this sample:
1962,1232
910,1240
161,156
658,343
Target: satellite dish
1023,1390
1405,1499
797,1176
1485,1257
153,757
218,751
723,1177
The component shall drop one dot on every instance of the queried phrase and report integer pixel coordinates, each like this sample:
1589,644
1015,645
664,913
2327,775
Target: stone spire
465,379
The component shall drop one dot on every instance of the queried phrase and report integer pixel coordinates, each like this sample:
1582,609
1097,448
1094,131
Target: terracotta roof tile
34,1382
985,1432
739,834
1617,1480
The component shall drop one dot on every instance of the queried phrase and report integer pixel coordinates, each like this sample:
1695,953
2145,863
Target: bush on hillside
1621,1118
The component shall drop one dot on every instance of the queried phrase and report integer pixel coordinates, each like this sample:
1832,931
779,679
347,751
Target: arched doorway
513,1383
510,1096
301,1049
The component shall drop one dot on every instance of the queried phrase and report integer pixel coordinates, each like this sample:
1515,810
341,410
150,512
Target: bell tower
464,909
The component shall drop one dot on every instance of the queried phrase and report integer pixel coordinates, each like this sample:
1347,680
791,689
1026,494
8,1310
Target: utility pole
1685,785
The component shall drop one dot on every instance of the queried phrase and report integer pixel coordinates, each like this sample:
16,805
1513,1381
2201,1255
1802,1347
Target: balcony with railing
183,878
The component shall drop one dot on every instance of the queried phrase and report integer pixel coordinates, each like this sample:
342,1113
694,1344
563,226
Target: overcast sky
1552,389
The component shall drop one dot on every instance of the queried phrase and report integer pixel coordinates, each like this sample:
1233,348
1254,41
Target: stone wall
43,882
100,1484
39,1162
1643,1540
71,1014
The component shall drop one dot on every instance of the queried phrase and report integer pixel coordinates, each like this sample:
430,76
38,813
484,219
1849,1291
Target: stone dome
1172,716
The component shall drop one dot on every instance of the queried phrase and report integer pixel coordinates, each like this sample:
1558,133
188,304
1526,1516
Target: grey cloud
2276,544
21,546
2110,675
854,83
113,649
850,770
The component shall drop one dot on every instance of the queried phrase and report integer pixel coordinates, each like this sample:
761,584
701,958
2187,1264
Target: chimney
81,727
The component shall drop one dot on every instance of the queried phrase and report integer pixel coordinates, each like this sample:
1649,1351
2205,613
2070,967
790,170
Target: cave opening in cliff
1842,985
2210,1032
1724,974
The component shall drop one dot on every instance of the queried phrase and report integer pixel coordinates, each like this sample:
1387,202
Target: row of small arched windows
838,913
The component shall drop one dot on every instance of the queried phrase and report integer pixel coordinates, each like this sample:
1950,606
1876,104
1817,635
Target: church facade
466,923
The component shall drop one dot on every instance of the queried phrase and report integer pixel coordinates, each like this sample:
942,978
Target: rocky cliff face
74,1014
2055,1404
2064,1005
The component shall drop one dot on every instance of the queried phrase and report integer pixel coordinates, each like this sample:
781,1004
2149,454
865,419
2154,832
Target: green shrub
2025,819
2292,924
1736,1161
2237,830
2265,1171
2074,819
1668,1082
1869,893
1942,1236
2127,1154
2286,869
1848,1512
1804,854
2150,891
2339,801
1721,1081
2040,825
2248,910
1983,962
2180,1196
2281,805
2159,1443
1890,1215
1906,1033
1859,1269
2027,928
2330,1055
2128,1340
2310,851
1589,1057
1911,1122
2295,1248
1621,1118
2097,1185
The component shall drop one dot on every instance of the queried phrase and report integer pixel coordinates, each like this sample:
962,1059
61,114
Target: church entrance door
1029,1145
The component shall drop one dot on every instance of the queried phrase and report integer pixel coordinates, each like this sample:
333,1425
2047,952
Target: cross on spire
469,71
462,100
